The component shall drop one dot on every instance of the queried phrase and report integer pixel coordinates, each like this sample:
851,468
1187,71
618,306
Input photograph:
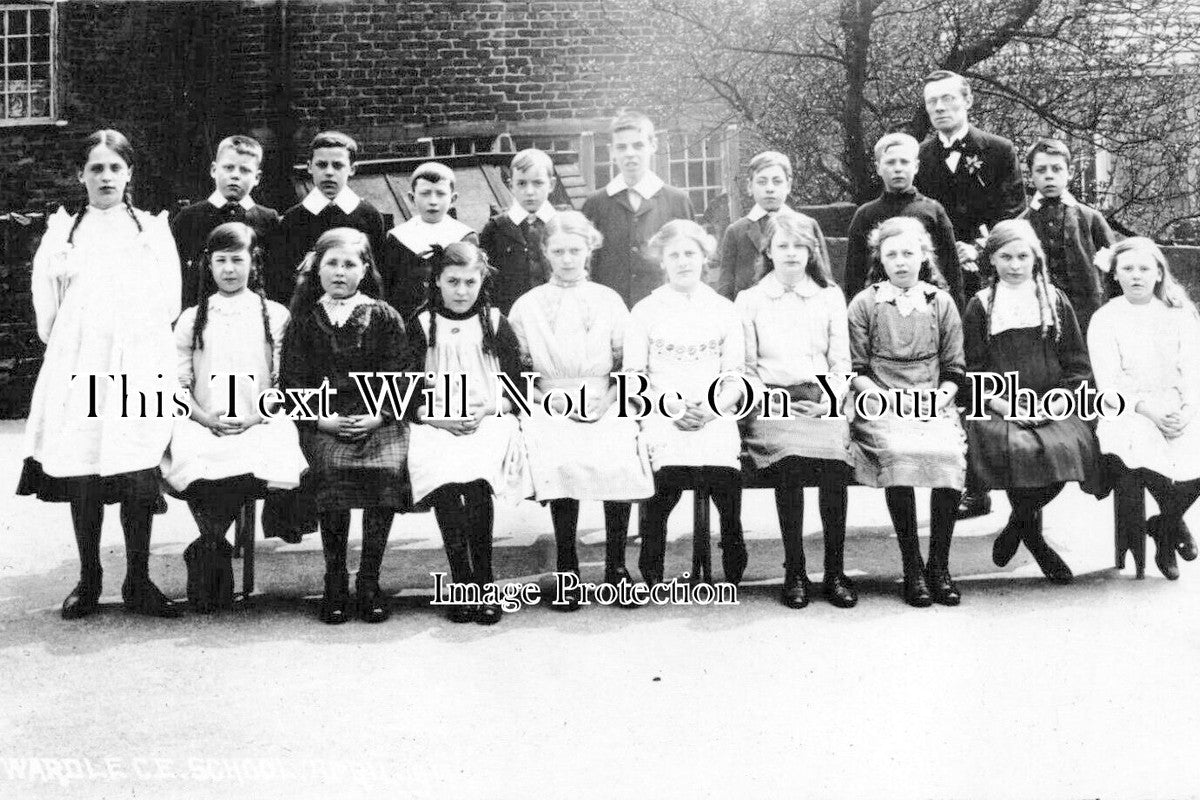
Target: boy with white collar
235,171
770,185
513,239
330,204
1070,232
405,269
631,209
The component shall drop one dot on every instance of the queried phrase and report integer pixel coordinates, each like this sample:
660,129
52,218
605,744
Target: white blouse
793,334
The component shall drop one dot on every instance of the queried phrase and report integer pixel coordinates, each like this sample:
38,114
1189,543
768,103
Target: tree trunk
856,20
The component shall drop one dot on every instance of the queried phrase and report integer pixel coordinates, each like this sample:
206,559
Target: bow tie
955,145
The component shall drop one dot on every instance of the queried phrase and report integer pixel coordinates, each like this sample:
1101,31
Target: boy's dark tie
533,229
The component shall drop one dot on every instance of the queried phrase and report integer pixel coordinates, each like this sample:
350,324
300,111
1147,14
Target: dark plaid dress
360,474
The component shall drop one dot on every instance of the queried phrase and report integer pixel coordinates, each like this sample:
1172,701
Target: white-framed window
27,63
688,161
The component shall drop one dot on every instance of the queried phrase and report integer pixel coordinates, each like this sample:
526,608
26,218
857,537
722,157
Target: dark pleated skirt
1003,455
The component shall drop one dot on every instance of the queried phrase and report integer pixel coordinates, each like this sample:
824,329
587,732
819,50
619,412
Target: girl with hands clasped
105,289
794,322
220,456
1021,323
1145,345
905,334
456,465
571,332
684,337
357,459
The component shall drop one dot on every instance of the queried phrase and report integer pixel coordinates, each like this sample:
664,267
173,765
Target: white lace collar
1015,307
339,310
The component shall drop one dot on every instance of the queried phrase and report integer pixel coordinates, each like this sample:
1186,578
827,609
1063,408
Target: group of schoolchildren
324,292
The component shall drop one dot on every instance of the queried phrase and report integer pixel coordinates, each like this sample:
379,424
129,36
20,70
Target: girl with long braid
220,456
105,290
1022,323
459,458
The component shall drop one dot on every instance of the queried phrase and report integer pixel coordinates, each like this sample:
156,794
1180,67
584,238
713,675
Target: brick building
407,79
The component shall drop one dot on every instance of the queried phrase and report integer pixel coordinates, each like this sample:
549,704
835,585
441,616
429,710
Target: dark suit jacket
299,230
520,265
620,263
991,192
192,225
738,259
1084,231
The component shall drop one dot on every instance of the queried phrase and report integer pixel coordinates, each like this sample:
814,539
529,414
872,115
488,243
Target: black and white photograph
600,398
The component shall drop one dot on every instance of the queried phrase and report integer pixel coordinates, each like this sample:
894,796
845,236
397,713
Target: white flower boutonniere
1103,260
974,164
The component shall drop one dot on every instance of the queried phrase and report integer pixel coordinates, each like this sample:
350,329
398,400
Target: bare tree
822,79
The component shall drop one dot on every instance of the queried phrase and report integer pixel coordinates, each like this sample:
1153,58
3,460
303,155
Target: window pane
18,79
39,102
678,176
39,22
40,48
18,50
696,174
712,173
41,72
698,201
3,106
16,106
17,22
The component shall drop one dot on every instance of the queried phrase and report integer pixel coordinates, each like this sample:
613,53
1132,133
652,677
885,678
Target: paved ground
1026,691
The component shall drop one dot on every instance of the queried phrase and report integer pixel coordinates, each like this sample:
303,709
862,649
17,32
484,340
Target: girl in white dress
1145,346
794,322
457,465
571,332
221,456
685,337
105,290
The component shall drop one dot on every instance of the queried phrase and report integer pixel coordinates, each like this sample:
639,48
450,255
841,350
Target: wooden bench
245,530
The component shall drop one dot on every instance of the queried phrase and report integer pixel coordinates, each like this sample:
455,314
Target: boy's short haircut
898,138
433,172
531,159
242,145
627,119
1051,147
942,74
768,159
333,139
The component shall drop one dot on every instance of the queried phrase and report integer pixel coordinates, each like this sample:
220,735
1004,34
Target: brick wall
178,76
